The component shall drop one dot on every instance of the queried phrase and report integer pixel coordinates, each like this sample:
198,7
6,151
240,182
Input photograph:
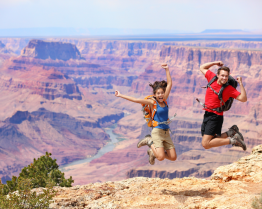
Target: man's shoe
151,156
234,130
145,141
238,142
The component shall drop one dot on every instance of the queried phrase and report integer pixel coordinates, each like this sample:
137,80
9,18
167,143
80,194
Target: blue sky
182,15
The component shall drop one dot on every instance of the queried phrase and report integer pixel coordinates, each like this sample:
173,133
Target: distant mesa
233,31
51,50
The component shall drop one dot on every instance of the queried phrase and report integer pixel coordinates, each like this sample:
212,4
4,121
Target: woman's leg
171,154
159,152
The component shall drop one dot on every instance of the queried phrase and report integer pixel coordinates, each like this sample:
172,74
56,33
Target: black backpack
224,106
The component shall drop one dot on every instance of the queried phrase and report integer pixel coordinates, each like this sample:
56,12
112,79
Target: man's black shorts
212,124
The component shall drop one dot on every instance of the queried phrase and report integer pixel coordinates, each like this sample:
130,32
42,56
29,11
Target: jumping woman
160,144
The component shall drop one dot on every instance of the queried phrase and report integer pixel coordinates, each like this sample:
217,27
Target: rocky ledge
231,186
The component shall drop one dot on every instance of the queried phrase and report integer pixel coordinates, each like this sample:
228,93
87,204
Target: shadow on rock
204,192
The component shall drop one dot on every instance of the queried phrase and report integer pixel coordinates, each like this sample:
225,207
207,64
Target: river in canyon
107,148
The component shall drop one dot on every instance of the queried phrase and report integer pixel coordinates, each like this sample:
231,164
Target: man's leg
209,141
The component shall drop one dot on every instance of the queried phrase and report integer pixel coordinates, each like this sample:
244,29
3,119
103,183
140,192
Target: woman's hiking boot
234,130
151,156
145,141
238,142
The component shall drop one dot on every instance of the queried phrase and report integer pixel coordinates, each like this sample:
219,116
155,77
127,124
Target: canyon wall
84,91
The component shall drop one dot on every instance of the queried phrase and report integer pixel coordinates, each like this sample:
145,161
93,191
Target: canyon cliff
84,90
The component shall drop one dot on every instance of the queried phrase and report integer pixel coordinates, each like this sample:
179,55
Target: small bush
44,173
257,202
41,172
24,198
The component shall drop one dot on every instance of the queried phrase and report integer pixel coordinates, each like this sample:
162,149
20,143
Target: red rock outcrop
51,50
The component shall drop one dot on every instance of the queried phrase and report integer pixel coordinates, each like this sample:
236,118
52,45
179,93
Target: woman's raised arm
133,99
168,79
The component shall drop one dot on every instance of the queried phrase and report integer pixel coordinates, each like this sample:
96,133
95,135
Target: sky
179,15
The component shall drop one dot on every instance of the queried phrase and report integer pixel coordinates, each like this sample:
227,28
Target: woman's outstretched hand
117,93
165,66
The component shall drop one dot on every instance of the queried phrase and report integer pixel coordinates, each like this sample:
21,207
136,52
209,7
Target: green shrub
43,172
24,198
257,202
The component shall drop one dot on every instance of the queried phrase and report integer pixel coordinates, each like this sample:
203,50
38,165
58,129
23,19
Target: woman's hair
158,85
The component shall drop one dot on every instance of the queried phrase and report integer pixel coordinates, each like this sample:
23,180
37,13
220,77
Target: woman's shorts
161,138
212,124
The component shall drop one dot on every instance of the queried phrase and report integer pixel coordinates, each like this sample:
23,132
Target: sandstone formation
231,186
51,50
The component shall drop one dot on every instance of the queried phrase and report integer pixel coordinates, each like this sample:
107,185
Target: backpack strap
219,94
149,113
212,81
209,85
154,108
221,90
218,109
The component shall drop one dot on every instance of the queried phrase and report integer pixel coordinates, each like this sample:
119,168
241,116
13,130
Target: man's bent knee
205,146
206,140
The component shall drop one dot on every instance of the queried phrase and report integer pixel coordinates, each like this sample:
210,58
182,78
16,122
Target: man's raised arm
242,97
204,68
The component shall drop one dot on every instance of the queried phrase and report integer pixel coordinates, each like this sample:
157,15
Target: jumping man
213,118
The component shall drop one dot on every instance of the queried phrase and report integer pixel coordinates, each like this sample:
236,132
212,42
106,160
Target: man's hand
165,66
219,63
242,97
204,68
239,80
117,93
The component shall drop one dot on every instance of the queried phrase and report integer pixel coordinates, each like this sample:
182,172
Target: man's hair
223,68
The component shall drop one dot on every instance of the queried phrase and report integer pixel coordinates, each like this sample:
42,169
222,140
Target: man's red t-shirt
211,99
